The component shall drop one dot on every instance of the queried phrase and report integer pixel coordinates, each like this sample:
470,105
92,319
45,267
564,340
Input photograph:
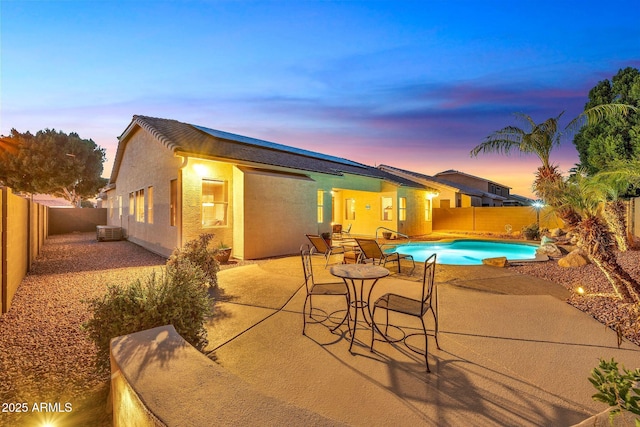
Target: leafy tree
52,162
611,139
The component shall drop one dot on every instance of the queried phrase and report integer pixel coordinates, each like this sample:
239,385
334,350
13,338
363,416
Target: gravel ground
45,357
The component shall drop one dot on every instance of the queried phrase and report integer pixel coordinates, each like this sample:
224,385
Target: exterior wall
277,210
68,220
192,175
145,163
494,219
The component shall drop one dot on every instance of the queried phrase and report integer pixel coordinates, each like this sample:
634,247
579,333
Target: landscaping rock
546,240
496,262
574,259
550,250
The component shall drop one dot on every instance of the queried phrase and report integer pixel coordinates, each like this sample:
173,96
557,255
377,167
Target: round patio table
351,273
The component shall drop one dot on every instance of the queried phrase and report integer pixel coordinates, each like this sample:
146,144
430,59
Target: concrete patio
512,351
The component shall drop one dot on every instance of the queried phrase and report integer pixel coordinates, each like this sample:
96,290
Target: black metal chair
412,307
320,246
317,289
370,249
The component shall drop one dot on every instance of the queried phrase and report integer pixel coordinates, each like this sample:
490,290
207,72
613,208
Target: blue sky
414,84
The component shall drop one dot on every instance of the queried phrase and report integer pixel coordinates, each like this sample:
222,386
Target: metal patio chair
370,249
320,246
411,307
338,288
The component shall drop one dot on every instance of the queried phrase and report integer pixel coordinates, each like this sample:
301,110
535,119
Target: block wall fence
24,229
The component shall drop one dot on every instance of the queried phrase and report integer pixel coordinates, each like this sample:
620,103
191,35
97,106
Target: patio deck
513,352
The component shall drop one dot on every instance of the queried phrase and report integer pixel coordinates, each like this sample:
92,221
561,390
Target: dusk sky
413,84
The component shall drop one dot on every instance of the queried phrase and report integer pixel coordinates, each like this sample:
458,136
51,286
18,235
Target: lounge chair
370,249
320,246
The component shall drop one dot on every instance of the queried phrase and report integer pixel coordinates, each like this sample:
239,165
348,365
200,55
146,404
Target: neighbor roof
437,180
186,139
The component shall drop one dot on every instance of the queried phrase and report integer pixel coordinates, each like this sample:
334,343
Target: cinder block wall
68,220
492,219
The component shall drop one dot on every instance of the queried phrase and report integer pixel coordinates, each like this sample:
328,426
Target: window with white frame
402,209
320,206
214,203
119,206
140,205
132,203
350,209
427,209
387,209
150,205
173,205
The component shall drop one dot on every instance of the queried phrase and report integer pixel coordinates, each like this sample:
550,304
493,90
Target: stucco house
451,193
172,181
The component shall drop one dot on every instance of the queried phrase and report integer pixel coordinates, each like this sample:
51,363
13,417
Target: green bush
197,252
619,390
531,232
173,297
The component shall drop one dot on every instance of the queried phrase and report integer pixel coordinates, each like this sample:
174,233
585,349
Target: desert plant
198,252
173,297
531,232
617,389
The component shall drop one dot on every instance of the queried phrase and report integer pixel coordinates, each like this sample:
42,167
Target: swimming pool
466,252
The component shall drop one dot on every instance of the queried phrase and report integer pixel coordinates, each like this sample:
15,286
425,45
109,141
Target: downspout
185,162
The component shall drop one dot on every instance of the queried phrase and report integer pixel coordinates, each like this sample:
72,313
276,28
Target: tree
52,162
578,200
540,139
615,138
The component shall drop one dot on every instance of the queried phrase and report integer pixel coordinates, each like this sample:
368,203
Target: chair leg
345,316
426,344
304,315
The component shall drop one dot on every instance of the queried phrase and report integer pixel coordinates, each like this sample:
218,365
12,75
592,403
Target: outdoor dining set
362,267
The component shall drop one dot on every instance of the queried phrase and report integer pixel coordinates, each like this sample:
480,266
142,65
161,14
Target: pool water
466,252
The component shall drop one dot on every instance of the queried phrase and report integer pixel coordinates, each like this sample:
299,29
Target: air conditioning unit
106,233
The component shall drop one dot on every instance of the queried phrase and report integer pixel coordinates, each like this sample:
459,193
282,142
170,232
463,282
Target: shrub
173,297
197,252
617,389
531,232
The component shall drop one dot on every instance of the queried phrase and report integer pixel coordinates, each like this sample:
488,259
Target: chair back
336,228
319,244
428,281
370,248
307,269
348,230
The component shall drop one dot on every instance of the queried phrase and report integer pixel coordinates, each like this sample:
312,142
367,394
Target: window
173,206
214,203
402,208
140,205
387,208
131,204
150,205
320,206
350,209
427,209
111,207
119,206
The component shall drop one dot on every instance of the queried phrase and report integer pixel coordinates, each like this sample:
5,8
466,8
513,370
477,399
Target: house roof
455,172
428,179
198,141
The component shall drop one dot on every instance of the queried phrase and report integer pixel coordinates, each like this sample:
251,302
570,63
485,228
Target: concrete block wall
23,231
492,219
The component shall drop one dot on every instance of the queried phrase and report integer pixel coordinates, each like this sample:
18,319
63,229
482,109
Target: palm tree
579,202
540,139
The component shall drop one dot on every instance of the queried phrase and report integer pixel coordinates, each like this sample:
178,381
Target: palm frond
598,113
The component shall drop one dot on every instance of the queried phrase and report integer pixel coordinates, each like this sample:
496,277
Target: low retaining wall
158,379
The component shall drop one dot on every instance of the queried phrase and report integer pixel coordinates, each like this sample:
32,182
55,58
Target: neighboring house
516,200
451,194
490,188
172,181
